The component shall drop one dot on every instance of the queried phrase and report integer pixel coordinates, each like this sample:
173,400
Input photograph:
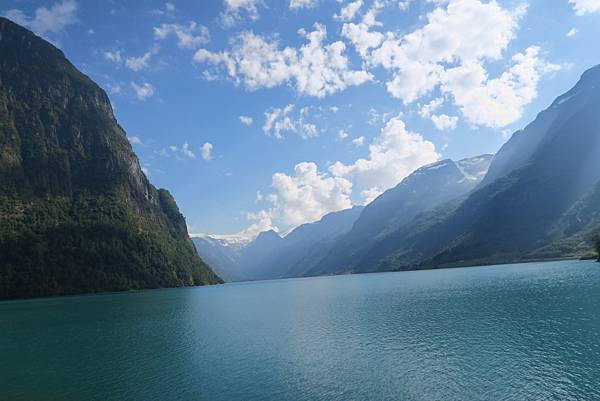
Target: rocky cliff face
77,214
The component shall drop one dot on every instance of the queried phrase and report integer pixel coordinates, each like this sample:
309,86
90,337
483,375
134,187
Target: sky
260,114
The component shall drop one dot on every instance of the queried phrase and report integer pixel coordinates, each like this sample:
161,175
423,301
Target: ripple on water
517,332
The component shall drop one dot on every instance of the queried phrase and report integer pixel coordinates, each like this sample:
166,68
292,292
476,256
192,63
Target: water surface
517,332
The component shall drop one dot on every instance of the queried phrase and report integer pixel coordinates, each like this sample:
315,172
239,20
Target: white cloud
138,63
349,11
187,151
246,120
135,140
362,37
444,122
393,155
189,36
369,195
307,195
500,101
358,141
430,107
113,56
583,7
47,20
234,10
262,222
342,134
143,91
280,120
298,4
465,31
572,32
375,117
206,150
133,63
169,9
457,36
404,5
315,69
113,88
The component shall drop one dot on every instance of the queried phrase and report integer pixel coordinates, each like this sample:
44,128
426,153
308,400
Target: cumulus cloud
583,7
262,222
143,91
496,102
206,151
342,134
315,69
137,63
444,122
297,4
133,63
135,140
358,141
190,36
572,32
306,195
465,31
47,20
393,155
187,151
281,120
184,151
457,36
431,107
113,56
236,9
349,11
246,120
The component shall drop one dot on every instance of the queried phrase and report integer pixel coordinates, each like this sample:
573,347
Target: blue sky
259,114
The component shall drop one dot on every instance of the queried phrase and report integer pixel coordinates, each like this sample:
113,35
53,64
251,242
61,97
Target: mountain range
345,237
77,214
271,256
538,198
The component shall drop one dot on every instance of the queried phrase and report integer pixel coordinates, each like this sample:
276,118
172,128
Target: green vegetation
597,245
77,215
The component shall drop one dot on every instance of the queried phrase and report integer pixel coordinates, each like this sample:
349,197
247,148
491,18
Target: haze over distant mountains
271,256
537,198
344,236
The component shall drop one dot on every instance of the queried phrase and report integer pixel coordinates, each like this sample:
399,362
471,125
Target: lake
513,332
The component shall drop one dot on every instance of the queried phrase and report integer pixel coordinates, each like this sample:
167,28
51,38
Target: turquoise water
517,332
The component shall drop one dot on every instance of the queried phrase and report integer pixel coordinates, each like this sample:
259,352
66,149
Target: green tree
597,245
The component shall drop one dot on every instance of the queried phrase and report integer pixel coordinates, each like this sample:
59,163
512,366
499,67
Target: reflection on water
518,332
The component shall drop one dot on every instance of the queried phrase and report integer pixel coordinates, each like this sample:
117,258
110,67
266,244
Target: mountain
305,246
424,189
255,256
270,256
77,214
222,253
540,198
